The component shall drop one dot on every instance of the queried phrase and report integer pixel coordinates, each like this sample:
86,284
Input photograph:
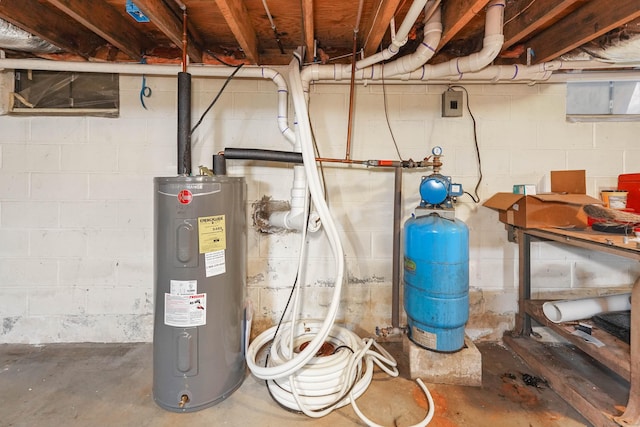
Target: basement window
65,93
603,101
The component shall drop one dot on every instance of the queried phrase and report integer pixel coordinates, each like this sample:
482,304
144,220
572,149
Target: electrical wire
226,82
520,12
273,26
217,58
386,115
476,198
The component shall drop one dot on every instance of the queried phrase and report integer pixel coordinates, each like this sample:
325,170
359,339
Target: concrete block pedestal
463,367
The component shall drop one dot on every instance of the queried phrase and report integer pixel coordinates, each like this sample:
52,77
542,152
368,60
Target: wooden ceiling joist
525,18
239,31
93,14
58,29
307,21
587,23
237,18
171,25
456,15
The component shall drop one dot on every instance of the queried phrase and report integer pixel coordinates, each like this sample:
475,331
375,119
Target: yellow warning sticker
212,234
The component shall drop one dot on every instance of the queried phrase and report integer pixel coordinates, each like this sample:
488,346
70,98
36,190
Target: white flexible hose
295,377
288,365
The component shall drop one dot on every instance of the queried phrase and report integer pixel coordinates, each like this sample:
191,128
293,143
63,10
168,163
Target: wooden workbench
602,383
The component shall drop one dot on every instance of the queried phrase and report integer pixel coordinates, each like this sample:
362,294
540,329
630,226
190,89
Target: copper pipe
352,86
184,40
348,161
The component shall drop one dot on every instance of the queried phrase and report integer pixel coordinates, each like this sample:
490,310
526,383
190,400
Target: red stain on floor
440,407
439,421
439,400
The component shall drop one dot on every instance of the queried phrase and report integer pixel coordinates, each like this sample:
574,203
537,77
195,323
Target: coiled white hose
296,378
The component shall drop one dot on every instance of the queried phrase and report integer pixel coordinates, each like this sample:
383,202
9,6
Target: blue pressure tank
436,281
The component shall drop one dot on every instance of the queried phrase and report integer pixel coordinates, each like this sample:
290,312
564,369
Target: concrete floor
110,385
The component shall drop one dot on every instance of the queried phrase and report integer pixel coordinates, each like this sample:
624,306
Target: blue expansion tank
436,281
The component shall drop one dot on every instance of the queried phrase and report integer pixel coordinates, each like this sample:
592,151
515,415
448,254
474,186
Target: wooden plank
589,22
614,354
631,416
309,29
375,30
57,29
589,239
108,23
524,18
456,15
593,393
237,17
170,24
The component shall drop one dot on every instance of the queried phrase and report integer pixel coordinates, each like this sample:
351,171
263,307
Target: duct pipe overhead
14,38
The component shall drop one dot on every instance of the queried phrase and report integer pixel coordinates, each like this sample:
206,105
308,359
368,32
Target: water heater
200,279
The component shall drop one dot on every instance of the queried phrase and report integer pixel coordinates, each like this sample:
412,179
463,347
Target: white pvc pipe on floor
584,308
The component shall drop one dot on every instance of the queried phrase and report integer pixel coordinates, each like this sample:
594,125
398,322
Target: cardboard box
560,208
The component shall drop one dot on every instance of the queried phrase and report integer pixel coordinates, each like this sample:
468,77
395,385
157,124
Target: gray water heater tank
200,278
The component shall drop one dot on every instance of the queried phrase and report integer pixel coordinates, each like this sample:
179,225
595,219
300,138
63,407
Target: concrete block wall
76,201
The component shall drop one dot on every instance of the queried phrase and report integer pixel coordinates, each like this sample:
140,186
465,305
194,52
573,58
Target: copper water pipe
184,39
348,161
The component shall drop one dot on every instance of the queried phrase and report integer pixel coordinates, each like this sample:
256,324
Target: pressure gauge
437,150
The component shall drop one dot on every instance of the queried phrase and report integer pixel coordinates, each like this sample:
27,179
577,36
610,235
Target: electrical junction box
452,103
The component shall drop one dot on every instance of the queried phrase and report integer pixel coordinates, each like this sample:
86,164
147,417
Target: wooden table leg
631,416
523,321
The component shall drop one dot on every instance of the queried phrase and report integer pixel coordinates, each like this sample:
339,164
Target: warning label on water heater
185,311
214,263
212,234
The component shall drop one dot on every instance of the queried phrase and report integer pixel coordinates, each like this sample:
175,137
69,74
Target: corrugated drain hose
296,378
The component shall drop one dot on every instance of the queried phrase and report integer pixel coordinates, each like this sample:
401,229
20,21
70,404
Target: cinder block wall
76,201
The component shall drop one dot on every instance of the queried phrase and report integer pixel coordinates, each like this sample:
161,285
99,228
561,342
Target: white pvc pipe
425,50
400,38
584,308
295,218
457,67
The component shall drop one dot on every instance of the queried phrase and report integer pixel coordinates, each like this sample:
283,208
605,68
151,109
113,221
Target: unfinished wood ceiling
240,30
